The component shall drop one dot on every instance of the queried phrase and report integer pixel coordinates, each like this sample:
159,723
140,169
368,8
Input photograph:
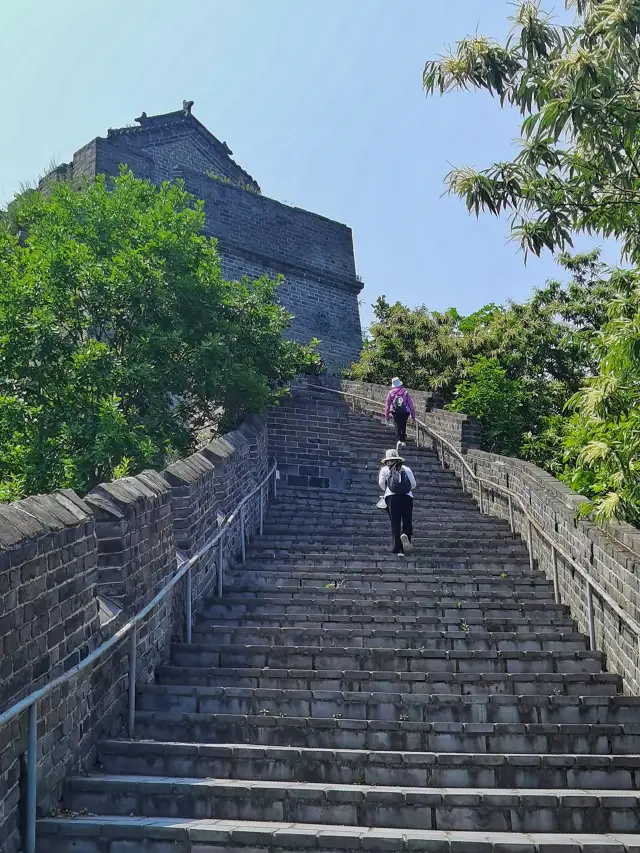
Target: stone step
369,543
458,529
221,616
386,735
353,767
500,810
455,639
111,834
400,660
392,707
459,683
411,569
336,601
433,501
247,584
255,581
384,560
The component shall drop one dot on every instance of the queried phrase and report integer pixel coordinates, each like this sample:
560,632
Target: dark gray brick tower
256,234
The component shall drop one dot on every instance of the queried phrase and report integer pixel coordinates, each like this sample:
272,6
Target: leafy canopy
577,169
119,337
578,164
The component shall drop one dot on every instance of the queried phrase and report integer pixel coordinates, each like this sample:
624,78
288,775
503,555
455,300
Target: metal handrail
30,702
593,587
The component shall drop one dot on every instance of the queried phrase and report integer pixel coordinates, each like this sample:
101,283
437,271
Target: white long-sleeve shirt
383,479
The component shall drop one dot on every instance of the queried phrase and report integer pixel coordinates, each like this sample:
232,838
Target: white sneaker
408,547
403,443
398,446
399,555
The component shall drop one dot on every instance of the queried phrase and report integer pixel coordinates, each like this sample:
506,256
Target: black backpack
399,404
398,482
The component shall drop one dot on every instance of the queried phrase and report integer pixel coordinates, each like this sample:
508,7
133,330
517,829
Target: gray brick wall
48,622
57,551
321,309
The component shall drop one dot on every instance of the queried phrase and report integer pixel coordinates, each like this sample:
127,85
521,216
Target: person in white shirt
397,482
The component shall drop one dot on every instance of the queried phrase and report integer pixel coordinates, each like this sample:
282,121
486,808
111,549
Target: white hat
396,383
392,456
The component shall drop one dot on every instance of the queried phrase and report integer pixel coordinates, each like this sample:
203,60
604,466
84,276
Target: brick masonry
256,235
58,553
609,554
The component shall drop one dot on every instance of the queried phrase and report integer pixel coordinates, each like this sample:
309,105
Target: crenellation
57,553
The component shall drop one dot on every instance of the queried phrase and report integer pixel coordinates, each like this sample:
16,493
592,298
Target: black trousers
400,509
400,420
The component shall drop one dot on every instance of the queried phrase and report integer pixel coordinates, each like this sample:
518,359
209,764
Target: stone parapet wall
58,553
609,554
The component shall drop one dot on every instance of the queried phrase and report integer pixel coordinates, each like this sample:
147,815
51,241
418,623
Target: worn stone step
400,660
450,573
486,583
308,505
240,584
541,621
382,560
498,549
336,601
337,536
117,834
362,501
434,708
255,581
459,683
453,639
500,810
352,767
458,528
387,735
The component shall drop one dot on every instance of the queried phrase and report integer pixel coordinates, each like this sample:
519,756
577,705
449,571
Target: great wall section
298,688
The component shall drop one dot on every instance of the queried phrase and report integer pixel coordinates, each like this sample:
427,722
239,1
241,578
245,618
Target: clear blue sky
320,100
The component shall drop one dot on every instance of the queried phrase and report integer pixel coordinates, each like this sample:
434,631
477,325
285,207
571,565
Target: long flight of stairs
340,698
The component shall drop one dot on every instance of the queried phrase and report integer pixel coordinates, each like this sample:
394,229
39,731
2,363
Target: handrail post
133,662
556,579
511,521
187,605
442,455
591,618
32,768
480,489
243,550
530,546
275,483
220,560
417,434
261,510
464,478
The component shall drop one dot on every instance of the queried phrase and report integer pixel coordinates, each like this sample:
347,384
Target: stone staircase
340,698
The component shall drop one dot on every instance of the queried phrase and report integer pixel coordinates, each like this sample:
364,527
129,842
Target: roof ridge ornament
186,106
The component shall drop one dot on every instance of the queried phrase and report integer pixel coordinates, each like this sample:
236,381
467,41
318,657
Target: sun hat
396,382
392,456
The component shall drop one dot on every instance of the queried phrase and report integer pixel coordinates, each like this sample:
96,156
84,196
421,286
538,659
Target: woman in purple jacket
399,405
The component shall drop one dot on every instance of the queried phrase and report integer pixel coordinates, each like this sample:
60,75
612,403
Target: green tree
416,344
577,170
504,406
119,336
602,439
578,167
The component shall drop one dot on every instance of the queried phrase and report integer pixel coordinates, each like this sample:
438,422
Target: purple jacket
391,396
